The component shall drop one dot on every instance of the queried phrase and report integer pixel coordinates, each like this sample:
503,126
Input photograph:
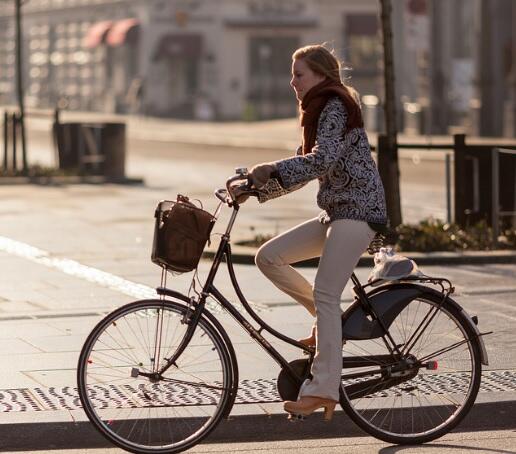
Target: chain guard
288,389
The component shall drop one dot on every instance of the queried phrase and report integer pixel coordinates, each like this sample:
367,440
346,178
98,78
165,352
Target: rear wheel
426,392
146,413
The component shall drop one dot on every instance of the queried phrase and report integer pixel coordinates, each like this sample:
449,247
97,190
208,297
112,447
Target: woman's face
303,78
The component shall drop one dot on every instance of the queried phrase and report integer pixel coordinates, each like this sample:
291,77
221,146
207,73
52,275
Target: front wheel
424,393
146,413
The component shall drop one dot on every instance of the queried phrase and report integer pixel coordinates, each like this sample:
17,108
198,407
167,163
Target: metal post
13,127
19,82
495,194
438,100
6,140
56,135
448,188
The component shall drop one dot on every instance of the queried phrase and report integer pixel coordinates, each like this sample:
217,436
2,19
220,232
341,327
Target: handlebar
222,195
225,195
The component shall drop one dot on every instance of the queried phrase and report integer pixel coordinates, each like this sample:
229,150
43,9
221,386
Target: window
361,43
270,61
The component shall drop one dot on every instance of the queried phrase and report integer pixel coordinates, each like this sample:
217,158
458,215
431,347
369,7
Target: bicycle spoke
422,403
156,414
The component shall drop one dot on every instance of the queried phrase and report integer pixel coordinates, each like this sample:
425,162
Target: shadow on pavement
81,435
440,447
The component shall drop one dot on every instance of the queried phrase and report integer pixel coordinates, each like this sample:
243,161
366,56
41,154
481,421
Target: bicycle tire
137,414
431,403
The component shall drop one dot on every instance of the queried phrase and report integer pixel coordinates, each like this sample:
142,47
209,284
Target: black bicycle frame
224,251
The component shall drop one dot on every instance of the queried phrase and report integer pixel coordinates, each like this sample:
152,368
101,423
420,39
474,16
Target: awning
119,32
179,46
97,33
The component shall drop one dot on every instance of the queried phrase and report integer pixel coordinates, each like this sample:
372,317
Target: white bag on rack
389,266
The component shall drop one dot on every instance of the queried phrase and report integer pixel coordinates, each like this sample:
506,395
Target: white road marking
498,303
76,269
90,274
499,314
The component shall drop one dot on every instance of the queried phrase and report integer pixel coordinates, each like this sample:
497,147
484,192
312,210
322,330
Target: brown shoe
310,340
306,405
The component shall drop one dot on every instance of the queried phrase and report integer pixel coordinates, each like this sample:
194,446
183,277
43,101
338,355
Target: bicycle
158,375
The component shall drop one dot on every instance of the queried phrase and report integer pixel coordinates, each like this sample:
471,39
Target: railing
14,136
495,194
447,164
476,171
12,130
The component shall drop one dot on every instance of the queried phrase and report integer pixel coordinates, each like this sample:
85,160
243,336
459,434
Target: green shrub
436,235
432,235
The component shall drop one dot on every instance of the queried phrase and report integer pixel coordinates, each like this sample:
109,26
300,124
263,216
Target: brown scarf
313,103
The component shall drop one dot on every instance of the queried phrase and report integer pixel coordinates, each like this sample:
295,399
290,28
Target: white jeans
340,245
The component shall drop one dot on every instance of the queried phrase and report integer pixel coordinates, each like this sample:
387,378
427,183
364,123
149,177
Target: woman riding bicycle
336,151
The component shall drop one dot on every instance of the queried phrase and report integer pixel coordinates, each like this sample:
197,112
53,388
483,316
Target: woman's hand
238,193
260,174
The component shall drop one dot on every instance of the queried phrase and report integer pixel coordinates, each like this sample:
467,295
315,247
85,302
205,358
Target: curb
58,180
237,429
245,256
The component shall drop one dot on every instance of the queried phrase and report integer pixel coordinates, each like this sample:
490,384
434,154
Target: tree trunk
388,147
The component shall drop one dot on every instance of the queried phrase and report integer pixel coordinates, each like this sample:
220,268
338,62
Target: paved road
198,170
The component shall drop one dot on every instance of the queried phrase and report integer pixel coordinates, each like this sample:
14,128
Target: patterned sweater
349,183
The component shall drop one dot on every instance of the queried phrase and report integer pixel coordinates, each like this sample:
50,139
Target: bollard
6,140
56,136
21,129
13,126
448,188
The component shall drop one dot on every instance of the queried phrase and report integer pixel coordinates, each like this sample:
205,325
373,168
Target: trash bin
91,148
370,105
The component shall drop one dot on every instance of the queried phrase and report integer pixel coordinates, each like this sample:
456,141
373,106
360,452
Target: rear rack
445,284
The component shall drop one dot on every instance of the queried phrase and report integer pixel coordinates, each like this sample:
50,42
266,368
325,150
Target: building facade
206,59
231,59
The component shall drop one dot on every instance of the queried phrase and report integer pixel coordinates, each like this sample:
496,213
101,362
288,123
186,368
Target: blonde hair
320,60
324,62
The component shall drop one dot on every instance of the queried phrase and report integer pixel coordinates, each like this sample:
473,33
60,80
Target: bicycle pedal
293,417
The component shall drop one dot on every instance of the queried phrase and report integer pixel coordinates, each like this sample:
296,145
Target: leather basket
181,231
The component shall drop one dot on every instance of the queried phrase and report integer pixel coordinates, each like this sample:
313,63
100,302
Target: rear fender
388,301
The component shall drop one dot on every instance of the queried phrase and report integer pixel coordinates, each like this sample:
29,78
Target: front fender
388,301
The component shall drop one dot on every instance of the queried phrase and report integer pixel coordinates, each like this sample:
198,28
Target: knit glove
260,174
